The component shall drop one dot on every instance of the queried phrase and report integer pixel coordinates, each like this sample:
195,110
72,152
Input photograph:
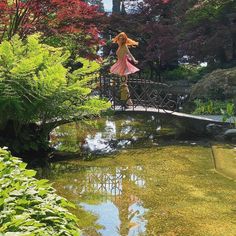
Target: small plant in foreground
29,206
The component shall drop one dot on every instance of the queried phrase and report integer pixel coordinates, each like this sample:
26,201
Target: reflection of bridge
109,181
114,184
100,189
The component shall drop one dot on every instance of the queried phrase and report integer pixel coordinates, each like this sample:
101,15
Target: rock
219,84
230,134
214,129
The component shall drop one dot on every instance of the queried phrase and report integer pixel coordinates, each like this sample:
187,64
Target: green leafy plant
29,206
37,93
186,72
229,113
214,107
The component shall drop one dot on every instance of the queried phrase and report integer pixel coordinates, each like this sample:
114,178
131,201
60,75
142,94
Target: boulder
214,129
230,134
219,84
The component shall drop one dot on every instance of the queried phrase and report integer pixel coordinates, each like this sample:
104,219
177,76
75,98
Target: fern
35,87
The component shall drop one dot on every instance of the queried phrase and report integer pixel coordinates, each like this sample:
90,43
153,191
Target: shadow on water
149,182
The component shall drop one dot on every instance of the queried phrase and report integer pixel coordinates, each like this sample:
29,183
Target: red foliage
153,25
211,35
50,17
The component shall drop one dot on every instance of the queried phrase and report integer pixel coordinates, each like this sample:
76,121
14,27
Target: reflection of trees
71,137
108,135
67,137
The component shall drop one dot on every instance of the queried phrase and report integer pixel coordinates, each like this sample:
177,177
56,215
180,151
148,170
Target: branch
53,124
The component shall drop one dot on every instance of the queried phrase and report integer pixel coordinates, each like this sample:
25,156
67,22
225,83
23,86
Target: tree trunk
116,6
30,140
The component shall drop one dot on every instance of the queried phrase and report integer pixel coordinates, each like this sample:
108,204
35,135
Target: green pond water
139,179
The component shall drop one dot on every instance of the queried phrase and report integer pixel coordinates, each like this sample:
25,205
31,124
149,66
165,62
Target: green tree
37,93
73,21
209,32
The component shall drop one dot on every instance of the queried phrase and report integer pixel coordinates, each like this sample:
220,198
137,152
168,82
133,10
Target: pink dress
123,67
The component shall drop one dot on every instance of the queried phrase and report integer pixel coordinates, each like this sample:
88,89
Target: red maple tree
209,31
51,17
152,23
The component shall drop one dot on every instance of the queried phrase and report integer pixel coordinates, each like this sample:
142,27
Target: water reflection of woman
123,67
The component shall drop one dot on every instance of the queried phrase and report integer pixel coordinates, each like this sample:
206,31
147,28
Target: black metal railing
142,92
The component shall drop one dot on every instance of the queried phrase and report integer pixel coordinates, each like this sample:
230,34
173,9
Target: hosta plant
29,206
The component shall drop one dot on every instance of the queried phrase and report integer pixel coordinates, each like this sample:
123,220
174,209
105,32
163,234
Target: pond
139,178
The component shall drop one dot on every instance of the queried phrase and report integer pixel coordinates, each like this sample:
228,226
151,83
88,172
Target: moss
177,184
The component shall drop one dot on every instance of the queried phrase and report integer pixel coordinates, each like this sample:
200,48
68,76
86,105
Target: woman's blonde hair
128,41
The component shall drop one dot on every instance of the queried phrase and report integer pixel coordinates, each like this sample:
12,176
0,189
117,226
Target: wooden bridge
154,98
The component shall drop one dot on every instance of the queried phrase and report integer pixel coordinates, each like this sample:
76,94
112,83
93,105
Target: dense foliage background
202,31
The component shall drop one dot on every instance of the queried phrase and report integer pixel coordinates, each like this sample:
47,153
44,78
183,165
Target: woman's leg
124,91
129,101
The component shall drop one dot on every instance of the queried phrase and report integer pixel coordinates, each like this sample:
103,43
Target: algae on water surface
152,187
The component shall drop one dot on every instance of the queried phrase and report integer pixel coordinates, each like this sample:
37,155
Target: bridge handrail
143,92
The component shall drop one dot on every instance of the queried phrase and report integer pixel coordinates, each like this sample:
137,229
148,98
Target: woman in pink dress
123,67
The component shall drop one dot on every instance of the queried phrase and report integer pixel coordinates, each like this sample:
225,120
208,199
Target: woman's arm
130,55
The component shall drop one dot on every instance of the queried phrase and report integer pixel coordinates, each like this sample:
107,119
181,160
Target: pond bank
224,156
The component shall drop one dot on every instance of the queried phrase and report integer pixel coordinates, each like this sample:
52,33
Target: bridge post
113,83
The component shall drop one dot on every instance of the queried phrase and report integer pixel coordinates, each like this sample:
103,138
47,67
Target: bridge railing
143,93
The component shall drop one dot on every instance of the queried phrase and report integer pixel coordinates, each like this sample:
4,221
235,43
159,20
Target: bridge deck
140,109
